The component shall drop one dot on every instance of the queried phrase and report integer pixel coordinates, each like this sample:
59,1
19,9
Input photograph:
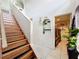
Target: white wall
5,4
43,44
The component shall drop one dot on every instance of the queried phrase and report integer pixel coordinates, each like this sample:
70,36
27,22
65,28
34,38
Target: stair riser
13,34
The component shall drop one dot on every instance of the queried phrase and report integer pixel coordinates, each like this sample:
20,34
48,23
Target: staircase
18,46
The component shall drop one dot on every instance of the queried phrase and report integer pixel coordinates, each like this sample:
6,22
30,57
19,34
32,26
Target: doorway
62,23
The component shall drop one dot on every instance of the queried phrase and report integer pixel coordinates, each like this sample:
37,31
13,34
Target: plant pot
72,53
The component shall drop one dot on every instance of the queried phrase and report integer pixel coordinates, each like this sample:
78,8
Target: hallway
60,51
29,31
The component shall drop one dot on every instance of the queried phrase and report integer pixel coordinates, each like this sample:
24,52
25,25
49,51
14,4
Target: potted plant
71,46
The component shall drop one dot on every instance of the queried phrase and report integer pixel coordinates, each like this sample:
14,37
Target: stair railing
24,22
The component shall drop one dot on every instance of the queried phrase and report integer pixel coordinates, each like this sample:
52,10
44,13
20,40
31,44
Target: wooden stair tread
18,36
13,31
13,34
14,53
12,28
27,55
14,39
8,21
15,44
11,25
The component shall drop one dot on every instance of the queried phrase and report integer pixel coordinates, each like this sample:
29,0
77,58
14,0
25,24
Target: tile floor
60,51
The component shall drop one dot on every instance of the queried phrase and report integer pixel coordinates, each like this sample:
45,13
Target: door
62,23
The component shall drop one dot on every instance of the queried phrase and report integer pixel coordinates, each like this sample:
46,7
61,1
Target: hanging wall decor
46,25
